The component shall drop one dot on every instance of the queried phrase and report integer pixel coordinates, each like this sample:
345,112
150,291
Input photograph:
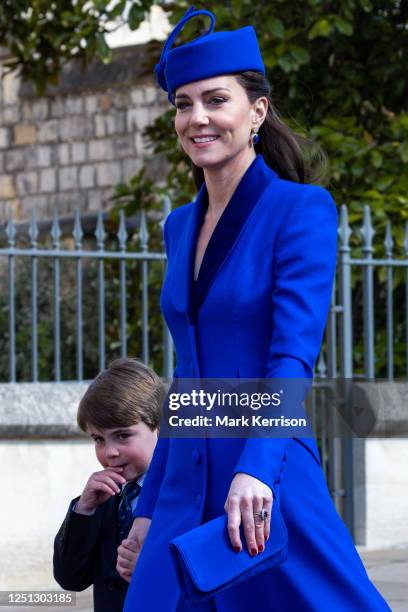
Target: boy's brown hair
124,394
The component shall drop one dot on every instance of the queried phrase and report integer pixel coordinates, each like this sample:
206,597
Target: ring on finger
262,515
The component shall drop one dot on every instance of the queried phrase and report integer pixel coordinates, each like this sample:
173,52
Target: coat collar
188,295
180,268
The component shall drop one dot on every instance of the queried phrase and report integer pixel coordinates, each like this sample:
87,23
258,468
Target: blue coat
258,310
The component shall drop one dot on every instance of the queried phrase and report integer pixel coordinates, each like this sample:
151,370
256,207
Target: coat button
196,457
198,500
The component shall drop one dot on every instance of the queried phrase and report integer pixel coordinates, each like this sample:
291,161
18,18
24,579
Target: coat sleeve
152,483
75,548
154,477
304,269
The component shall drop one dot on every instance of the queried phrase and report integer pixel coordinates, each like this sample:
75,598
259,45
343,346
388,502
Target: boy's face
128,447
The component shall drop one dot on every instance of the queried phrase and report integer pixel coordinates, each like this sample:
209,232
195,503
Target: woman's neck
221,182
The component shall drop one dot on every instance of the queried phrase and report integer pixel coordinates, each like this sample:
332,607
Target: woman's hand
129,550
247,496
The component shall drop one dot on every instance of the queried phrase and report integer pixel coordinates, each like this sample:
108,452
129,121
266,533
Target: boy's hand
129,550
128,553
100,487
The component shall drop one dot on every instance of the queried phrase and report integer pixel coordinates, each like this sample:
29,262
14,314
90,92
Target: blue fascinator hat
208,55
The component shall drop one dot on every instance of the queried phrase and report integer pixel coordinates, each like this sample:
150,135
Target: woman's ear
261,108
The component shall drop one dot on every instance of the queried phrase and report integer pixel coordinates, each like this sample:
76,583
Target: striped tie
125,514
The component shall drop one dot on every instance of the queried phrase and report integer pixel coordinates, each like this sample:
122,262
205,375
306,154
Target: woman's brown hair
293,157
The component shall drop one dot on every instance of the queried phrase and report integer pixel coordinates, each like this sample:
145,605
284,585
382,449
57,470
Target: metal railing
337,360
55,255
347,327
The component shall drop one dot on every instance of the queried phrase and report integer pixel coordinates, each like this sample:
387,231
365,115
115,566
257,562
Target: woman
250,270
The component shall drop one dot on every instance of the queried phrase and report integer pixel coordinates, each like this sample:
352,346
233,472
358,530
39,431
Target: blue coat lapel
188,295
183,261
243,201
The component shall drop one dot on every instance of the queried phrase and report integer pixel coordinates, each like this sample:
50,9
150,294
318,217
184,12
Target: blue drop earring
255,138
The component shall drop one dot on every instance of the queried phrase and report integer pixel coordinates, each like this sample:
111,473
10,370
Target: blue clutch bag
206,564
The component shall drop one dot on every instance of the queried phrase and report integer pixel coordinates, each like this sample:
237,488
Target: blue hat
211,54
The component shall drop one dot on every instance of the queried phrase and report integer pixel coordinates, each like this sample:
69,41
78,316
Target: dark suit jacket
85,553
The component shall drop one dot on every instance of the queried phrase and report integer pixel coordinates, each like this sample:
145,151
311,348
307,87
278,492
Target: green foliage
42,35
136,194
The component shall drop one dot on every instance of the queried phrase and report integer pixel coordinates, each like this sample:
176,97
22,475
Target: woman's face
214,119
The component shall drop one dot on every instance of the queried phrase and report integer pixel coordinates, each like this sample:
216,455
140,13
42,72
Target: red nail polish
260,548
237,549
254,551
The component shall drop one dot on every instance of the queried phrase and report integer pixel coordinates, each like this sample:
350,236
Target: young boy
121,412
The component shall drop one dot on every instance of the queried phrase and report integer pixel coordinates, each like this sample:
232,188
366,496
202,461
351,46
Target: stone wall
71,146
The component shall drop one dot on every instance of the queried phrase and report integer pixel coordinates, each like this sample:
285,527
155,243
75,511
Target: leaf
269,58
135,17
121,189
403,151
68,17
403,120
376,159
383,183
285,63
102,48
323,27
368,137
366,5
301,54
357,170
343,26
117,10
101,5
276,27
